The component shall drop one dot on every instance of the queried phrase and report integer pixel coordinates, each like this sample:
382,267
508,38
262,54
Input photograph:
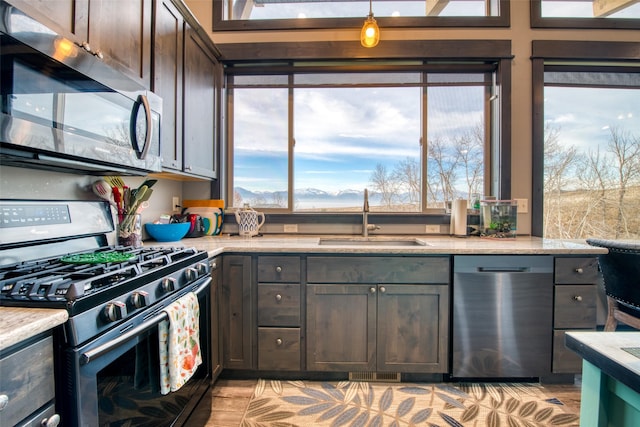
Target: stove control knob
114,310
168,284
202,268
191,274
140,299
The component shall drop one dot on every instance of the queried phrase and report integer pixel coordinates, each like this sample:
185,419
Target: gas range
101,286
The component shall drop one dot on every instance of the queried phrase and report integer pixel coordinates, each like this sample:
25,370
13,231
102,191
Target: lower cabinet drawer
27,381
278,304
279,349
575,306
565,361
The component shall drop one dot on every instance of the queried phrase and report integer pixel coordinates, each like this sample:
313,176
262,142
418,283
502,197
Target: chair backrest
620,269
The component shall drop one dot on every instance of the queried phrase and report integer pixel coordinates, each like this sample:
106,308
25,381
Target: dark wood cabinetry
118,30
378,314
167,81
237,320
27,387
216,327
186,73
121,31
200,74
575,297
279,313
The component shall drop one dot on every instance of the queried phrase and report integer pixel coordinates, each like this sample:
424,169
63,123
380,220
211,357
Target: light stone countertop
605,351
442,245
18,323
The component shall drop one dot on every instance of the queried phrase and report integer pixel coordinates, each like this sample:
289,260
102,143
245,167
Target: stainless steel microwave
63,108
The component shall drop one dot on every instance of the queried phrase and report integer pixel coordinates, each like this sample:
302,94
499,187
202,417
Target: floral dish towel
179,343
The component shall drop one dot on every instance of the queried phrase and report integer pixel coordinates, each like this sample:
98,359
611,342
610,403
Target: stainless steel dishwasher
502,316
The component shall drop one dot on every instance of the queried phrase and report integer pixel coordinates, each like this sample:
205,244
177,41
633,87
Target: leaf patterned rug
349,403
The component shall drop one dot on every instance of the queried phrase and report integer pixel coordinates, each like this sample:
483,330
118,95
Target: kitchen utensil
249,221
117,198
115,181
102,189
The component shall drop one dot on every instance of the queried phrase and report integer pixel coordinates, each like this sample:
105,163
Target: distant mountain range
308,197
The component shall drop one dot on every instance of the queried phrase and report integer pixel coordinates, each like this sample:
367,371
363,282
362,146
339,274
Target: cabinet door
413,328
238,324
199,107
64,16
121,30
216,330
341,327
167,84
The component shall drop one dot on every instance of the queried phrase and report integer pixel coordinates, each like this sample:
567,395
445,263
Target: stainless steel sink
371,241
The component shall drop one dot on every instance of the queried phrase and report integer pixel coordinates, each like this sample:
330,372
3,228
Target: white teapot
249,221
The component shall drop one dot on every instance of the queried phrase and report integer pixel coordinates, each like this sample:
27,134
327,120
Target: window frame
498,159
219,24
538,21
574,54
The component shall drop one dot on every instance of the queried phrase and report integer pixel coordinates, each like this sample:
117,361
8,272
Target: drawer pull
279,269
383,289
279,341
52,421
4,401
579,270
577,298
372,289
278,297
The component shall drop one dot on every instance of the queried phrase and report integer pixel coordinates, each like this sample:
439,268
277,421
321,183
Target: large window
315,140
592,154
585,14
299,14
586,140
301,9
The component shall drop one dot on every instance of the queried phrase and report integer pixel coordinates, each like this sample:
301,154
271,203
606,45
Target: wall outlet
432,229
291,228
523,205
175,204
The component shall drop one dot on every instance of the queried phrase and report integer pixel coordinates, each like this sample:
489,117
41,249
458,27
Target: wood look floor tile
229,400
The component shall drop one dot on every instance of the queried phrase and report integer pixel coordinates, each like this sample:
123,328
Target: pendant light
370,33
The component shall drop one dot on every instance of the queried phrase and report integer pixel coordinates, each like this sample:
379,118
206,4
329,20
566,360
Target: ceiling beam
242,9
602,8
434,7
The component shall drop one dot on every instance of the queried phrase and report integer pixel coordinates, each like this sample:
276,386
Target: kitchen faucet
365,216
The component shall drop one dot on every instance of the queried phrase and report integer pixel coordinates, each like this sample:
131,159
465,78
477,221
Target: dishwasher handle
504,269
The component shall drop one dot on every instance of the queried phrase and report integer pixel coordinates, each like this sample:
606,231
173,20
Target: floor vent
375,376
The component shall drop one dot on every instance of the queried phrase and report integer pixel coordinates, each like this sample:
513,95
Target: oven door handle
100,350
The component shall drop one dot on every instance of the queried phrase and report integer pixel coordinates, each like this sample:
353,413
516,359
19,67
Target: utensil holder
130,230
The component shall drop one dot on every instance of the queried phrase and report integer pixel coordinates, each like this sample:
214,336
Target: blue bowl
167,232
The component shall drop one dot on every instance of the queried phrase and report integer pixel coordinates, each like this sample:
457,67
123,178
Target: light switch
523,205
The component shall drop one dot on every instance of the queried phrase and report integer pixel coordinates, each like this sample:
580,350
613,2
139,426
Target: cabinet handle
579,270
383,289
278,297
52,421
4,401
279,341
372,289
279,269
577,298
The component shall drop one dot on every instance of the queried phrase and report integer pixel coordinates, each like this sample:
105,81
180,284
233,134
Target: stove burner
57,283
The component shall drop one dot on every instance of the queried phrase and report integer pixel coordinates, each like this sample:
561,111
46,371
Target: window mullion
291,147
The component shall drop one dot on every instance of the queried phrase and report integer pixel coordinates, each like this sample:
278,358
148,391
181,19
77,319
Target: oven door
114,380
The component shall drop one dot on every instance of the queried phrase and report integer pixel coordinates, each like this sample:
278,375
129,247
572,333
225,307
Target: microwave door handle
94,353
142,100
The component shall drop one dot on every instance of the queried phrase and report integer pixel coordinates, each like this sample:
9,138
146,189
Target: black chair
621,273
